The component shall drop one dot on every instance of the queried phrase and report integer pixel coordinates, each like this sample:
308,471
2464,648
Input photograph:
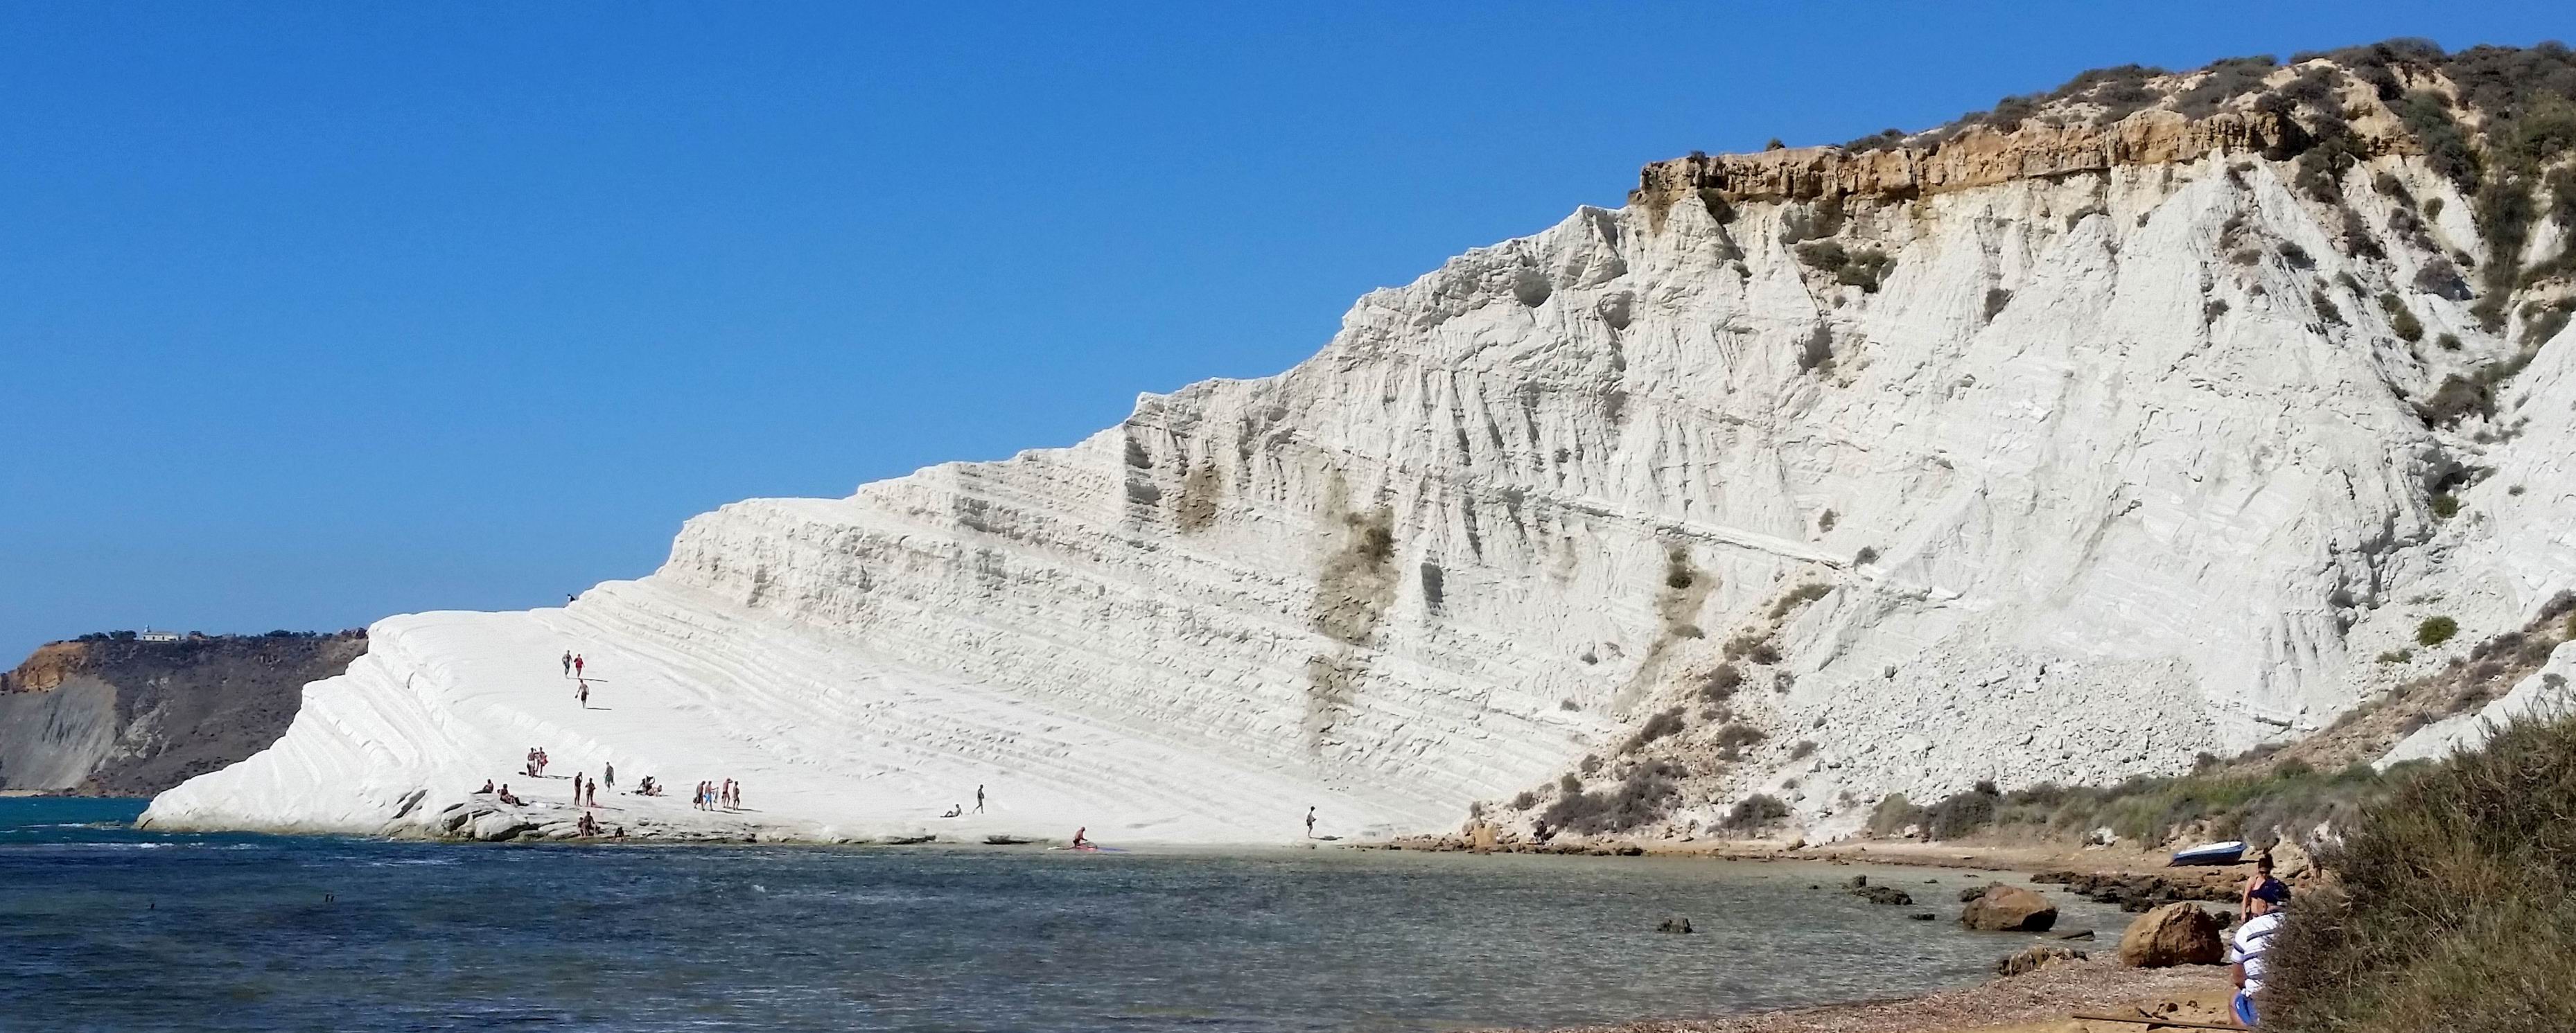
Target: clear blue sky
311,314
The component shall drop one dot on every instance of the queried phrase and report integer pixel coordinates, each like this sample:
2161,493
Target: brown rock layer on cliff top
1977,157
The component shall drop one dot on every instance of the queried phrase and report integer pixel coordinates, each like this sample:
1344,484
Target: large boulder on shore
2004,908
2175,934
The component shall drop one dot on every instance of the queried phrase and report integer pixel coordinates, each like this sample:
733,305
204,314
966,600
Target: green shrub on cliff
2256,806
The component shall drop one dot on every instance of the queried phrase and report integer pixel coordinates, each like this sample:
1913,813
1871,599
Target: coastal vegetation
2219,803
2453,905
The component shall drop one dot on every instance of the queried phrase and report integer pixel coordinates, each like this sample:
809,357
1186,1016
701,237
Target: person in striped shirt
2253,941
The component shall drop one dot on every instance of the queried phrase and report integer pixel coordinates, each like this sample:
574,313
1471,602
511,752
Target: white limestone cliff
2091,481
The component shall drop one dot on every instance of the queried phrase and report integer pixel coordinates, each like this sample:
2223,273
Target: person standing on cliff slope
567,663
576,665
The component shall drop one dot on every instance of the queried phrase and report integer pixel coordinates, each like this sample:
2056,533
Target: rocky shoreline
2040,1001
2164,964
2036,989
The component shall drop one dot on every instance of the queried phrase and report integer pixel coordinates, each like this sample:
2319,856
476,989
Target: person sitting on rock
955,811
2252,942
486,790
506,797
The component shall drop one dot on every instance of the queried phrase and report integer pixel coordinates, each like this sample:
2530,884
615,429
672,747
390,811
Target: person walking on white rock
979,798
590,794
583,694
1310,822
576,789
608,774
567,663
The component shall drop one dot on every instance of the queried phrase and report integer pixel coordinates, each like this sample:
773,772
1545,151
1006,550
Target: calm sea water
103,927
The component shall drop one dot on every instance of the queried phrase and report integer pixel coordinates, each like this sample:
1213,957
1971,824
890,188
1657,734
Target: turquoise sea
103,927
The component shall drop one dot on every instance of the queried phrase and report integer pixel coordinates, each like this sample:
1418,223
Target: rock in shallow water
1883,895
2002,908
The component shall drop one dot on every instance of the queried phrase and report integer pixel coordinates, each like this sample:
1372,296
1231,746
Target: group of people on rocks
502,794
711,796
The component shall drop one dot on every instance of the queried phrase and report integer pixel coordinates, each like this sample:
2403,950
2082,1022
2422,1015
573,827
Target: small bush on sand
1963,813
1755,812
1892,815
1642,796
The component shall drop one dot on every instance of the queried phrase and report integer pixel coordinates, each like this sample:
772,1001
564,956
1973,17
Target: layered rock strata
2076,455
